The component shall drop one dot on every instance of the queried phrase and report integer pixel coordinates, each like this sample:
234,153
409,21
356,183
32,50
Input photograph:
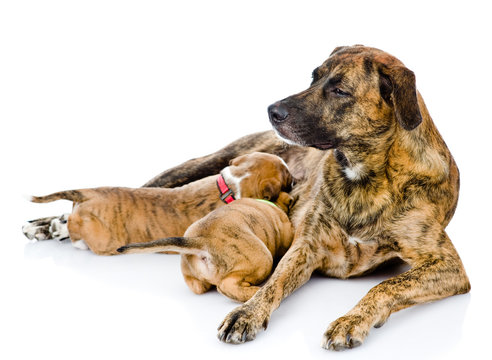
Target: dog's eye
339,92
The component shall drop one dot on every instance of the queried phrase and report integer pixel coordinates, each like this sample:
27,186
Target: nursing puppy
233,247
104,219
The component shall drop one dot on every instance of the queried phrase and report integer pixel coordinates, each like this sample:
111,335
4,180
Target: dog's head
358,97
258,175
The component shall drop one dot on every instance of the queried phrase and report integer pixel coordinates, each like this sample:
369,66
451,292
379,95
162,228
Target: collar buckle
226,194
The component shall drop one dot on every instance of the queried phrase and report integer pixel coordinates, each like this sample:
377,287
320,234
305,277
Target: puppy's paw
346,332
242,324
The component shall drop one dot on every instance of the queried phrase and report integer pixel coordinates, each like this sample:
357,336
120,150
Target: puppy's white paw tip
80,244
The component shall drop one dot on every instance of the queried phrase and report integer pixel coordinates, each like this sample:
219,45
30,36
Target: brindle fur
383,186
234,247
110,217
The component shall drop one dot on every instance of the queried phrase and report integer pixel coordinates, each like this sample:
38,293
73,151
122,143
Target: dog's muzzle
277,113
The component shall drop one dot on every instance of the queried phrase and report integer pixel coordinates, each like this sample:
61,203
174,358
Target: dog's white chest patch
355,172
354,240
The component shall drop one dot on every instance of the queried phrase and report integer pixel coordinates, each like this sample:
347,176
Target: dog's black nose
277,112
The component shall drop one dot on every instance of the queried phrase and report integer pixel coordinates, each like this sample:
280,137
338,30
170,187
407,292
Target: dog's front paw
346,332
242,324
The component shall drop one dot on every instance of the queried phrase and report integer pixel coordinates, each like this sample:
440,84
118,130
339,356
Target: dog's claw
345,333
221,336
244,337
328,344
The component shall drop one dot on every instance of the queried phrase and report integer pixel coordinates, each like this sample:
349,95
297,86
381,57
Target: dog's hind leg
59,229
201,167
434,275
185,173
48,228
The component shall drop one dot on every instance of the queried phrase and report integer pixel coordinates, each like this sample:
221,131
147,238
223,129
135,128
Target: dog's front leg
295,269
434,275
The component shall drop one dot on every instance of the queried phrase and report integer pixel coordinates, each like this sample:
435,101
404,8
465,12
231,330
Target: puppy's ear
269,189
237,160
398,88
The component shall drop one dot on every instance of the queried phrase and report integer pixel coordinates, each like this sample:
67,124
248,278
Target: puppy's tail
182,245
72,195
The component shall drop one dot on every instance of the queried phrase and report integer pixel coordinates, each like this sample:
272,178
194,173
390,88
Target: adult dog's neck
417,152
411,152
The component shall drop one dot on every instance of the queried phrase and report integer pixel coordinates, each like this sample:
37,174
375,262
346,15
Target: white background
102,92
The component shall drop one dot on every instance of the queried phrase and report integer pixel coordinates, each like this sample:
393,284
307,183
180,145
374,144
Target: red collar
226,194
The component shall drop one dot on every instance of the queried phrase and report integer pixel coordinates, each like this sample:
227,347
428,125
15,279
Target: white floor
60,302
107,92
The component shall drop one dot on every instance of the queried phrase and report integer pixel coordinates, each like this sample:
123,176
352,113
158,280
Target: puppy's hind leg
197,286
237,288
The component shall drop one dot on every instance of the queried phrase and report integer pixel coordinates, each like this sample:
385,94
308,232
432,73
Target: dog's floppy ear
398,88
337,49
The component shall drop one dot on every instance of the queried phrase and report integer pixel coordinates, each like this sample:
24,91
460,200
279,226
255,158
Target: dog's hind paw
48,228
59,228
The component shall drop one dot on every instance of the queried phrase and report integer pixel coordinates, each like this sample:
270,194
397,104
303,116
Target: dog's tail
72,195
182,245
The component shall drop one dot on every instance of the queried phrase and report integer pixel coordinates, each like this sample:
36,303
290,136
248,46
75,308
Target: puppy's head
258,175
357,99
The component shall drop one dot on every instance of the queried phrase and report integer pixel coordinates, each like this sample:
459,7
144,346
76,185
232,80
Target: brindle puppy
106,218
234,247
375,181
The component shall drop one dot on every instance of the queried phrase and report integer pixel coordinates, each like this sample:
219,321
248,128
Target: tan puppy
233,247
104,219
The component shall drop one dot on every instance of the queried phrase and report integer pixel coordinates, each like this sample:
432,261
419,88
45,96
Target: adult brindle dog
375,182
